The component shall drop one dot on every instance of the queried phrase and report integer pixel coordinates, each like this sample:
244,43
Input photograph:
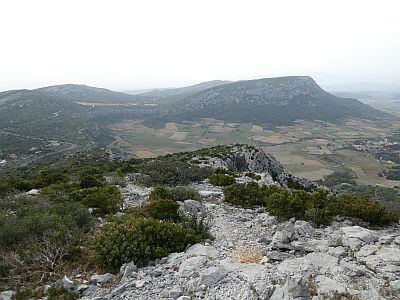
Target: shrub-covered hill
279,100
87,213
37,118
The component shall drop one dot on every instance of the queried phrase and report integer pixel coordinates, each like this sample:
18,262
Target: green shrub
179,193
118,178
33,218
173,172
318,207
182,193
23,294
372,212
198,222
253,176
139,240
48,178
277,204
221,179
61,294
160,192
104,200
162,210
245,195
91,177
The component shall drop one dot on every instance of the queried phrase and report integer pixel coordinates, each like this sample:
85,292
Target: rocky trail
255,256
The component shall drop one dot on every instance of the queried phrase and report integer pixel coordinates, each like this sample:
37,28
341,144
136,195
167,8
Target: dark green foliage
253,176
245,195
61,294
104,200
345,175
388,197
362,208
318,207
162,210
139,240
179,193
33,218
171,172
23,294
9,186
221,179
160,192
91,177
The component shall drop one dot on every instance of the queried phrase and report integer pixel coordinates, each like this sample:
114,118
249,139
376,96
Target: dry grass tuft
247,254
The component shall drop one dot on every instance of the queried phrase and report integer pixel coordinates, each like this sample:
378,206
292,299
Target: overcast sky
141,44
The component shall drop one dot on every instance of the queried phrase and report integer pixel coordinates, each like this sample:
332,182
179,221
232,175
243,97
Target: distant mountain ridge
88,94
279,100
170,95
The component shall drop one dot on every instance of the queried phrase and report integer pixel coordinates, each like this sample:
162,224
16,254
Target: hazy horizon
129,45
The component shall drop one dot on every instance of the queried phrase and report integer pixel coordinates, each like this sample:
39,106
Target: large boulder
389,255
7,295
304,229
128,270
65,283
294,289
212,275
356,236
103,278
202,250
191,266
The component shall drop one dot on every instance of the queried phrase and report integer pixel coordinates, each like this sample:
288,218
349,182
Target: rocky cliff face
244,158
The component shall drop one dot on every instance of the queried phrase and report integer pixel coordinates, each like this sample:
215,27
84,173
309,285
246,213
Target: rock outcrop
284,260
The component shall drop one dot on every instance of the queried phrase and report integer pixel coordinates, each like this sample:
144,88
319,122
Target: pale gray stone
294,289
199,249
212,275
65,283
102,278
140,284
7,295
304,229
191,265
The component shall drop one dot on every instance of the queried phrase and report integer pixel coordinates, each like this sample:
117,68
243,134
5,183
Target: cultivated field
307,149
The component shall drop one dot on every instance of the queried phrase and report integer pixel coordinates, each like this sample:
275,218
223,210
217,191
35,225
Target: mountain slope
174,94
33,116
270,101
88,94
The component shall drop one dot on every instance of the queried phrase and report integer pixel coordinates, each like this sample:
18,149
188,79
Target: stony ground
255,256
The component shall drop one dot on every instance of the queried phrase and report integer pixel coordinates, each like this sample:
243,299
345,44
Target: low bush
103,200
160,192
198,222
362,208
221,179
173,172
162,210
179,193
61,294
139,240
91,177
253,176
318,207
